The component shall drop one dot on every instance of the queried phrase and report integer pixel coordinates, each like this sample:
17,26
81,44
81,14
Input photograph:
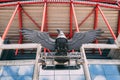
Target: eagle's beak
58,30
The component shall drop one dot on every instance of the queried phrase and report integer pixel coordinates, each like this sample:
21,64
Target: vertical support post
75,18
44,18
46,27
10,22
36,69
20,26
118,32
107,23
96,25
71,19
85,64
96,17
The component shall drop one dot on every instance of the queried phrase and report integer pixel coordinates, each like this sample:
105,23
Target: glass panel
10,70
113,77
98,77
9,78
24,78
46,77
104,72
96,69
16,72
111,69
80,77
26,70
1,70
61,77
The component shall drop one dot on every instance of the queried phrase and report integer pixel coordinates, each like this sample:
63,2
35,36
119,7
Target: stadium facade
20,58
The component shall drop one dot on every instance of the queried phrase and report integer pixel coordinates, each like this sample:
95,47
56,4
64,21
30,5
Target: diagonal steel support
8,27
10,22
75,18
86,17
107,23
30,18
43,18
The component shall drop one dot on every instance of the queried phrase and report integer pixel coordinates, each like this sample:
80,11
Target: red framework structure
43,27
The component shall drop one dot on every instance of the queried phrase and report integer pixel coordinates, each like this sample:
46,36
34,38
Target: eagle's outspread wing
39,37
82,38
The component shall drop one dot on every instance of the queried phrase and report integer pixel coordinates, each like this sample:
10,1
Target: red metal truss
86,18
75,18
96,25
9,23
44,21
72,14
107,23
105,1
20,26
43,18
8,0
71,20
118,32
30,18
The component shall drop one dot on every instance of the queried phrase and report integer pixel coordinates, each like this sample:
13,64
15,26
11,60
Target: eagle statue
61,44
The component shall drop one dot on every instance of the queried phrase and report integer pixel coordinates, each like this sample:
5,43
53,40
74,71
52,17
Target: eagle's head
60,34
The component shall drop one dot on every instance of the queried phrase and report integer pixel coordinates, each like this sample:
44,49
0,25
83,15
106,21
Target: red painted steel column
20,26
75,18
71,19
96,17
46,26
96,25
107,23
43,20
10,22
118,32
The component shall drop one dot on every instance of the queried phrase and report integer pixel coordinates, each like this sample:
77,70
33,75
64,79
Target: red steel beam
75,18
96,25
71,20
46,26
96,17
43,20
31,18
86,18
107,23
10,22
67,2
118,30
20,26
106,1
20,23
94,4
